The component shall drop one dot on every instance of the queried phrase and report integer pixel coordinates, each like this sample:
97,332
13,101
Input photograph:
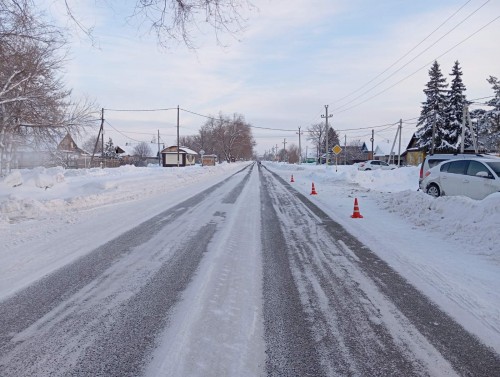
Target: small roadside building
208,160
413,155
187,157
70,155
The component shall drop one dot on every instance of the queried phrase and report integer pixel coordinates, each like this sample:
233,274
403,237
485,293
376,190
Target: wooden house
208,160
187,157
413,155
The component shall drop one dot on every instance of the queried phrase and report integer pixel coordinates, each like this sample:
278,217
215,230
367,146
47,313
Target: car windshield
495,166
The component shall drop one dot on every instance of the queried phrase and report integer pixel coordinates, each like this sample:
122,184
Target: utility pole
399,146
326,116
159,154
391,153
372,139
471,128
178,136
464,117
300,147
345,149
276,152
284,150
101,131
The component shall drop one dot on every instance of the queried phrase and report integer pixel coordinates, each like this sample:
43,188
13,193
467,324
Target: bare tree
316,134
230,139
89,145
35,107
175,20
143,150
293,154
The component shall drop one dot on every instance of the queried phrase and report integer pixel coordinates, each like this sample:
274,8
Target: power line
418,70
405,55
141,110
335,111
389,125
261,128
338,109
121,133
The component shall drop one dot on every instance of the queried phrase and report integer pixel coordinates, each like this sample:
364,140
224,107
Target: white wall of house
171,159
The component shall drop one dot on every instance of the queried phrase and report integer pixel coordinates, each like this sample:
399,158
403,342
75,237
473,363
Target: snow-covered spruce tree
481,128
456,102
493,115
110,149
333,138
433,113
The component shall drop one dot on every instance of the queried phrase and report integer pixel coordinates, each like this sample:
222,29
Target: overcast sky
293,58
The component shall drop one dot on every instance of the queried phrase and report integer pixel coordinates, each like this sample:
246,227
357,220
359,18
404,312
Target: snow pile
473,223
31,194
469,222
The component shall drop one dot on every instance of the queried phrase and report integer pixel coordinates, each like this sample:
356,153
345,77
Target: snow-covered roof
129,150
384,148
181,149
187,150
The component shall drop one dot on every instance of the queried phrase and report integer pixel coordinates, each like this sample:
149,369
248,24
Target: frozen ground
447,247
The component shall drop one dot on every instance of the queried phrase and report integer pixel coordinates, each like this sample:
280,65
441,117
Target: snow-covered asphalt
362,318
246,278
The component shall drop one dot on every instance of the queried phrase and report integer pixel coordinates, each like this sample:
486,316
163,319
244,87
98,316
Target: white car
375,164
474,178
434,159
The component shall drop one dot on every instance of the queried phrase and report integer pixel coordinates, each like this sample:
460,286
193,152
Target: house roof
129,150
173,149
68,145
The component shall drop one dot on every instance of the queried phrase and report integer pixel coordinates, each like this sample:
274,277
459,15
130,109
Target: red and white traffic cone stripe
313,190
356,214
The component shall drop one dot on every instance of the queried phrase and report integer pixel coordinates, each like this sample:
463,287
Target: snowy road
246,278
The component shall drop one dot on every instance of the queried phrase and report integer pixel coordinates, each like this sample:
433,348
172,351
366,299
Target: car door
452,180
478,181
375,165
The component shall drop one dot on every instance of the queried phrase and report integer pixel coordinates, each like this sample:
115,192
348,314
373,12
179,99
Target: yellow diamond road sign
336,149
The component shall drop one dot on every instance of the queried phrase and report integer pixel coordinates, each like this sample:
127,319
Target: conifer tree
456,102
109,149
493,116
433,114
333,138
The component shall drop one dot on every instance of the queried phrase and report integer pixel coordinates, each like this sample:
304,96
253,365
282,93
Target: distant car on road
376,165
475,178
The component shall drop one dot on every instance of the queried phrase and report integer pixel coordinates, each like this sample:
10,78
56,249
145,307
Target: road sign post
336,149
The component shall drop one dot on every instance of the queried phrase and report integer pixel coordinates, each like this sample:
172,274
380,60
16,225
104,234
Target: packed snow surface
448,247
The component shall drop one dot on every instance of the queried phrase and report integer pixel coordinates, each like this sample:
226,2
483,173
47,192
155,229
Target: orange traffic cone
356,214
291,179
313,190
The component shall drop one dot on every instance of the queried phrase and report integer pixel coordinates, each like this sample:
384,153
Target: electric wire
121,133
418,70
450,17
339,108
410,51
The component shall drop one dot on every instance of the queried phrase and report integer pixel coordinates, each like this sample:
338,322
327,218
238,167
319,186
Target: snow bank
30,194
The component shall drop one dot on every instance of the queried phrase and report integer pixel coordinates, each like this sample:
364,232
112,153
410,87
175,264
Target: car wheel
368,169
433,190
